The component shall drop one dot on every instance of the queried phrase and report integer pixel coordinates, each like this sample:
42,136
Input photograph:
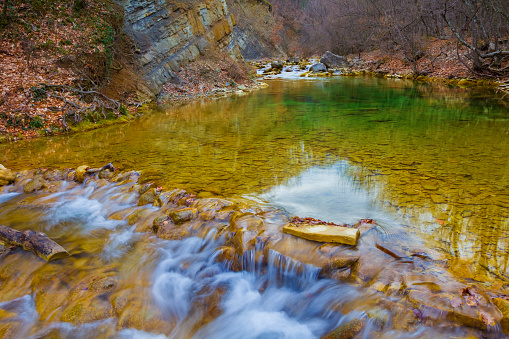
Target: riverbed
428,163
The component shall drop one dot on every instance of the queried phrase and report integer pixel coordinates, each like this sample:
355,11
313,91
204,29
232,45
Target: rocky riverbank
403,287
443,69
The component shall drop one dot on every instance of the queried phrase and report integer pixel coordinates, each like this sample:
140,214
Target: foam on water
77,206
7,196
287,300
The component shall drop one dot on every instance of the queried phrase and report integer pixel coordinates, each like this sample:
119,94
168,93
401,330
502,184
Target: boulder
331,60
276,65
319,67
105,174
159,222
6,176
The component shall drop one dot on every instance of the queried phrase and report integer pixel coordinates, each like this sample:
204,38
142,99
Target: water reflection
328,193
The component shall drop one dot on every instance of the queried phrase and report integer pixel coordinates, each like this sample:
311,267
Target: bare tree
482,26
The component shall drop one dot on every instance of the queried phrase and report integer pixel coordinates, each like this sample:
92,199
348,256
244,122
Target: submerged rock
168,230
208,204
348,330
503,306
475,311
88,309
154,176
137,215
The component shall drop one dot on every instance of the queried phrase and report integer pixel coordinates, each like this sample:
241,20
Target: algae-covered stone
503,306
182,215
463,313
139,315
207,204
153,176
159,222
169,231
88,309
348,330
80,173
148,197
36,184
105,174
7,176
137,215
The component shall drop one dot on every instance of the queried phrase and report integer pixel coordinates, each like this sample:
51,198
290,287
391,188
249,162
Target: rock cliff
170,34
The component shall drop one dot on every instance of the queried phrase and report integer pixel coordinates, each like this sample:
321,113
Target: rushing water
429,163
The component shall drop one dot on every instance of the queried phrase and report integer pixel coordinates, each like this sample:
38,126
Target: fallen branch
35,242
105,167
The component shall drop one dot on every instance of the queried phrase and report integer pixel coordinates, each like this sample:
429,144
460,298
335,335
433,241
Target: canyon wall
170,34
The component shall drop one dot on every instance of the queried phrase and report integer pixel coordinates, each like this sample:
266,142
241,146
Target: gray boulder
319,67
332,60
276,65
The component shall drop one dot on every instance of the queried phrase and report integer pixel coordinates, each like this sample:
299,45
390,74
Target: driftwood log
35,242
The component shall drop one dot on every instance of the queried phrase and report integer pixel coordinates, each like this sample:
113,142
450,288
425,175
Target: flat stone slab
324,233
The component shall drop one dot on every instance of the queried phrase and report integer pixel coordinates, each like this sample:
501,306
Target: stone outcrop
331,60
170,34
253,30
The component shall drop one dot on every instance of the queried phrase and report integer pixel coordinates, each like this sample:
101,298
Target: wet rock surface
121,271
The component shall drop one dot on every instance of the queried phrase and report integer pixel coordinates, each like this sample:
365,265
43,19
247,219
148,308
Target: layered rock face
170,34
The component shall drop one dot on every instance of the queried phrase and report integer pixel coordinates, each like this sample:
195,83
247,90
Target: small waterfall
283,270
269,297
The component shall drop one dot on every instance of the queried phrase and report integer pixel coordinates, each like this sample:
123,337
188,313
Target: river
429,163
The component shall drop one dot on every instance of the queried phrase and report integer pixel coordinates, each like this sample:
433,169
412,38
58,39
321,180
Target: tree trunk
36,242
4,9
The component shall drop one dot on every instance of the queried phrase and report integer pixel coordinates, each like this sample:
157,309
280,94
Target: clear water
428,161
